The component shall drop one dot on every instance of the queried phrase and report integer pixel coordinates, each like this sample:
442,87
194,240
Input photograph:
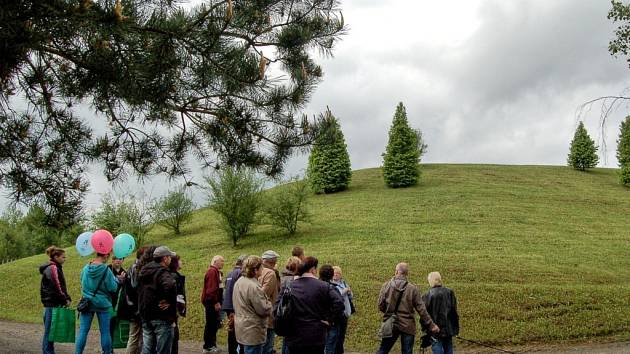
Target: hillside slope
534,253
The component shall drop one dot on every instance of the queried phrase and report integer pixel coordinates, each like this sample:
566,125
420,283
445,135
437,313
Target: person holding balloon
97,284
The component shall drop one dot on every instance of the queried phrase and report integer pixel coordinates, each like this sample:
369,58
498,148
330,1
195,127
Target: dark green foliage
329,163
130,216
583,152
23,235
173,210
403,152
620,44
623,143
221,81
235,196
287,204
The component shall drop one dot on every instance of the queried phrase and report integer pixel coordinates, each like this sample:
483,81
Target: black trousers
212,325
315,349
233,345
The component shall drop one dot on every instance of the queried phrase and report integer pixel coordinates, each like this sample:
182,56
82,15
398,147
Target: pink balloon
102,241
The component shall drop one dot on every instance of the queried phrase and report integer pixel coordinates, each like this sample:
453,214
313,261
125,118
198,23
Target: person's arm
382,299
110,281
54,277
337,307
262,306
454,314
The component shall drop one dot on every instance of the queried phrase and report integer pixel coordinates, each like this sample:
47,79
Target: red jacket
212,291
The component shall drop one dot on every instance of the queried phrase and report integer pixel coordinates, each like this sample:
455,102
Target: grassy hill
533,253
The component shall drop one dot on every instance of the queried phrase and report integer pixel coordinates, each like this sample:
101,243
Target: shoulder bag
387,327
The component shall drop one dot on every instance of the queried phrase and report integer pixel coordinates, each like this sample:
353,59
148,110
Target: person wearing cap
157,302
228,305
270,281
211,298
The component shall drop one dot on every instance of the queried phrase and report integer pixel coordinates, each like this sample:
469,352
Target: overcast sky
487,81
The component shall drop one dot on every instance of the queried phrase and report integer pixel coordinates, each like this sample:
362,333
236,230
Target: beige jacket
271,286
251,311
410,303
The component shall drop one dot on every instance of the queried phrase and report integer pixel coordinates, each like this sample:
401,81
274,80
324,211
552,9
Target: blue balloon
124,244
83,244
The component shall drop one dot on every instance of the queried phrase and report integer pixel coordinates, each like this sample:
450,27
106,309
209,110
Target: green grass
534,253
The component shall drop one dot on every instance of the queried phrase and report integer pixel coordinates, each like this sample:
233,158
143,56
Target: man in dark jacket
410,303
228,306
315,302
442,306
157,302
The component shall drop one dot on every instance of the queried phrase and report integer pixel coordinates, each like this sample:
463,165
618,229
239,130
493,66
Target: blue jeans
85,320
285,347
157,337
268,346
406,343
443,346
254,349
336,337
47,347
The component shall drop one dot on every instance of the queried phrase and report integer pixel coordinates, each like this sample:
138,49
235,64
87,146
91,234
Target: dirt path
25,338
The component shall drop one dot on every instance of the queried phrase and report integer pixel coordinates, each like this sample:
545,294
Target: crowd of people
151,296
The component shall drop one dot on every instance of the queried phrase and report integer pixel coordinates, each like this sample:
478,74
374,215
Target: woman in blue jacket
99,294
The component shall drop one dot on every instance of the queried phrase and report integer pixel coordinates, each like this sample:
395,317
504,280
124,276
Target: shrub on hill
583,152
329,163
403,152
132,216
624,175
235,196
287,204
173,210
623,143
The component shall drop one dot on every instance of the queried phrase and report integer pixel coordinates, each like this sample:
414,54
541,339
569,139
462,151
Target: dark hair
309,262
54,251
326,272
297,252
174,266
141,251
147,257
102,254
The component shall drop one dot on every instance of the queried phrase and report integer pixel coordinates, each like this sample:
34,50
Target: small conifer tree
623,143
403,152
329,163
583,152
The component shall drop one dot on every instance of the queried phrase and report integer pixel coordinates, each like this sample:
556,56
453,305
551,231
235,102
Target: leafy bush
235,196
583,152
287,204
173,210
118,216
329,163
624,175
403,152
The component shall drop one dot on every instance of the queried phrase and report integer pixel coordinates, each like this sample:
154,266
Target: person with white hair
442,306
211,298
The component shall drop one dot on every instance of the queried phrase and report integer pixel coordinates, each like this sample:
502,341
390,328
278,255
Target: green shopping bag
120,334
62,327
119,328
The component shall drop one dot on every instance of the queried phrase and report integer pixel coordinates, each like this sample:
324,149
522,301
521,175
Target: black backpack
283,313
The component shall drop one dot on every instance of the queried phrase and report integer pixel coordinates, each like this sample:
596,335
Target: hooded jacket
442,306
156,284
101,298
410,303
53,289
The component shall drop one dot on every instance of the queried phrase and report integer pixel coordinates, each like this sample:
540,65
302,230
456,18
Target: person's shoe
211,350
